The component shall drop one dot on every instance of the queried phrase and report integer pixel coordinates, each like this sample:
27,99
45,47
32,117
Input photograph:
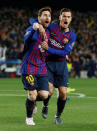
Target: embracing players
60,43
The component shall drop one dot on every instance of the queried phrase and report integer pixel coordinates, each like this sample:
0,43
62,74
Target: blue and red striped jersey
60,43
34,59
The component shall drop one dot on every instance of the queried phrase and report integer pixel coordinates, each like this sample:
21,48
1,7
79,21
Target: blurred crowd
14,21
84,55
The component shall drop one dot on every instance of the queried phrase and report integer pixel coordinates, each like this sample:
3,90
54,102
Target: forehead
46,12
66,14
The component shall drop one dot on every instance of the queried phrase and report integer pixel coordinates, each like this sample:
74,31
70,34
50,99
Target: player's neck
64,29
44,27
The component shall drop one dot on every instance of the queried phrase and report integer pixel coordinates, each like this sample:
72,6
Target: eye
69,16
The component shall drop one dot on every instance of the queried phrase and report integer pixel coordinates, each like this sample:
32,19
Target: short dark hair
65,10
47,8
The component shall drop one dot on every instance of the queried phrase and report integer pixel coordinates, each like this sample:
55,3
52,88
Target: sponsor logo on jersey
55,43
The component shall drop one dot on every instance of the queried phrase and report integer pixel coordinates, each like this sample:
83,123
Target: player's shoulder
73,33
53,24
29,29
31,21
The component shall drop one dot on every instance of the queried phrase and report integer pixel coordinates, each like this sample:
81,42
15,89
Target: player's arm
68,48
51,26
32,31
37,26
28,34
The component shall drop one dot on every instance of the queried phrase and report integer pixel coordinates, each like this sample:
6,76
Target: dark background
80,5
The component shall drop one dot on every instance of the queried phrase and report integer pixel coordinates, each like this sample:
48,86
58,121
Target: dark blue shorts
37,82
58,73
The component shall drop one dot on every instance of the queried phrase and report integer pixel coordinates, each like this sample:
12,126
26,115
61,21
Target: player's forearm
29,31
56,52
37,26
28,34
59,52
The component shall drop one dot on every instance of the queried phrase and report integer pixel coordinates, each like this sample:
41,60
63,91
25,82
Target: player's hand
35,26
44,45
67,58
42,31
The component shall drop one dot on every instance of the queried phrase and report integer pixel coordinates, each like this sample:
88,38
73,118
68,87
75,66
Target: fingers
44,45
67,58
35,26
42,31
46,40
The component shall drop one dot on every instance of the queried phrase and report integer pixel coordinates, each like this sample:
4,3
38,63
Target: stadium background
14,17
81,108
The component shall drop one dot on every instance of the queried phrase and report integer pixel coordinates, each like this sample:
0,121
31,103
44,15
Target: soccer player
33,68
62,38
60,43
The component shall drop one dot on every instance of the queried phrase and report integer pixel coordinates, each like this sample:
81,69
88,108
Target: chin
46,26
65,27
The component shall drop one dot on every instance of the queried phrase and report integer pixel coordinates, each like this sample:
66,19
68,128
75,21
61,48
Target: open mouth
47,22
66,22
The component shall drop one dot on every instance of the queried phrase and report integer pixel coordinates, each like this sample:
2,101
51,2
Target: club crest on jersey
65,40
30,79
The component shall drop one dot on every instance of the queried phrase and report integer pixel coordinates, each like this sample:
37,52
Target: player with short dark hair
60,43
33,68
47,8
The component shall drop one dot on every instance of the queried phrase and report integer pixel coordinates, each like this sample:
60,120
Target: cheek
42,21
50,19
69,21
42,18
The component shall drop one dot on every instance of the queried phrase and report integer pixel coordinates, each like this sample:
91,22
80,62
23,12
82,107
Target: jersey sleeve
51,26
32,21
68,48
30,34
